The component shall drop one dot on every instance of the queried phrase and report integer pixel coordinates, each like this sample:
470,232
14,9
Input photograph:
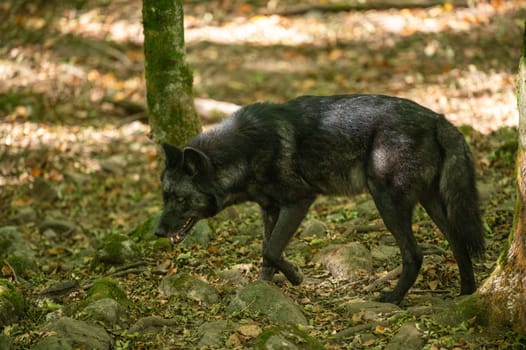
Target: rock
287,338
116,249
12,303
151,324
25,215
213,333
106,288
367,209
16,251
346,261
71,333
314,228
236,275
106,310
372,310
259,297
54,343
200,234
408,337
384,253
186,286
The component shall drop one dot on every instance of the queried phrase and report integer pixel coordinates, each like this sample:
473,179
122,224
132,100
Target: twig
389,276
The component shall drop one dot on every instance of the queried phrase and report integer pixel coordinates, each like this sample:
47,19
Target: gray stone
151,325
25,215
288,337
116,249
16,250
384,253
408,337
236,275
314,228
79,334
346,261
213,333
200,234
106,310
259,297
186,286
54,343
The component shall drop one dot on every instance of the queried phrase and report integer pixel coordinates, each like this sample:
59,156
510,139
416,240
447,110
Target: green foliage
12,303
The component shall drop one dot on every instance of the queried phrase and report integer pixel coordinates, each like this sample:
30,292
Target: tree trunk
169,80
503,295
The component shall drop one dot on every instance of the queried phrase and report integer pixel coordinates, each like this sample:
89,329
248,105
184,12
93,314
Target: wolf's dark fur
282,156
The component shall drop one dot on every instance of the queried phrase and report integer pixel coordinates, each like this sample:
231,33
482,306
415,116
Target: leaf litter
66,97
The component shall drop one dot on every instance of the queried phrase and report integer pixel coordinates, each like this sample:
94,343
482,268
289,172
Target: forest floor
74,145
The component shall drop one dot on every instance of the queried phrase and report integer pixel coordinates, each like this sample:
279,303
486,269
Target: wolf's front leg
270,214
288,220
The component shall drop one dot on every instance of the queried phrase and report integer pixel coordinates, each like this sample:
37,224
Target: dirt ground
74,140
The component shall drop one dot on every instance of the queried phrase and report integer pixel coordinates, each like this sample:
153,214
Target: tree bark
169,80
503,295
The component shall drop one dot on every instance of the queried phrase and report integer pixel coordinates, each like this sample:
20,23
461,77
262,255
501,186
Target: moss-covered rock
106,288
12,303
16,251
116,249
461,309
186,286
67,333
146,230
260,298
288,337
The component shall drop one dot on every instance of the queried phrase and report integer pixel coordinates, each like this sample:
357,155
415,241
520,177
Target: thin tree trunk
169,80
503,295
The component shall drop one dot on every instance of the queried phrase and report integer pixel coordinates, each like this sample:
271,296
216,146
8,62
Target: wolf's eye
180,200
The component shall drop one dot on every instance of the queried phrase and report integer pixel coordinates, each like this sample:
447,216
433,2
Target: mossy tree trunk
503,295
169,80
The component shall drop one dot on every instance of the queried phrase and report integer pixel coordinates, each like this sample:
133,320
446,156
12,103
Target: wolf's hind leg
289,219
397,213
437,213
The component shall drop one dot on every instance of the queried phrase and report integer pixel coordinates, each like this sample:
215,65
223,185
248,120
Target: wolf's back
458,189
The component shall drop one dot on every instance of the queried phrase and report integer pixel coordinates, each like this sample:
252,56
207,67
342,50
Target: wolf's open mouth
183,231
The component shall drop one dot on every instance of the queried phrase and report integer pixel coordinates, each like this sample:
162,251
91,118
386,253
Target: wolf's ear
196,163
173,155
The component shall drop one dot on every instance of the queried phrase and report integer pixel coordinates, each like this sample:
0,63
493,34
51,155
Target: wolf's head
187,193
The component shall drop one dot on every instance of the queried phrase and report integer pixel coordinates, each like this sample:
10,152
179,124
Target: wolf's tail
458,190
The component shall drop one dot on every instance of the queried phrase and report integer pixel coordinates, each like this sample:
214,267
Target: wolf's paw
296,277
267,273
389,297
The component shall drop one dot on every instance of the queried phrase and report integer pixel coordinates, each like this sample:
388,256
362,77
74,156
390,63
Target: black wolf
282,156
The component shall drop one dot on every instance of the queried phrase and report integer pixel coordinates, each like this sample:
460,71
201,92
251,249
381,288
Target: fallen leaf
249,330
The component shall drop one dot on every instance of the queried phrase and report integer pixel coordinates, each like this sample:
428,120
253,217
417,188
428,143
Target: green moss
460,310
146,230
116,249
12,303
106,288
